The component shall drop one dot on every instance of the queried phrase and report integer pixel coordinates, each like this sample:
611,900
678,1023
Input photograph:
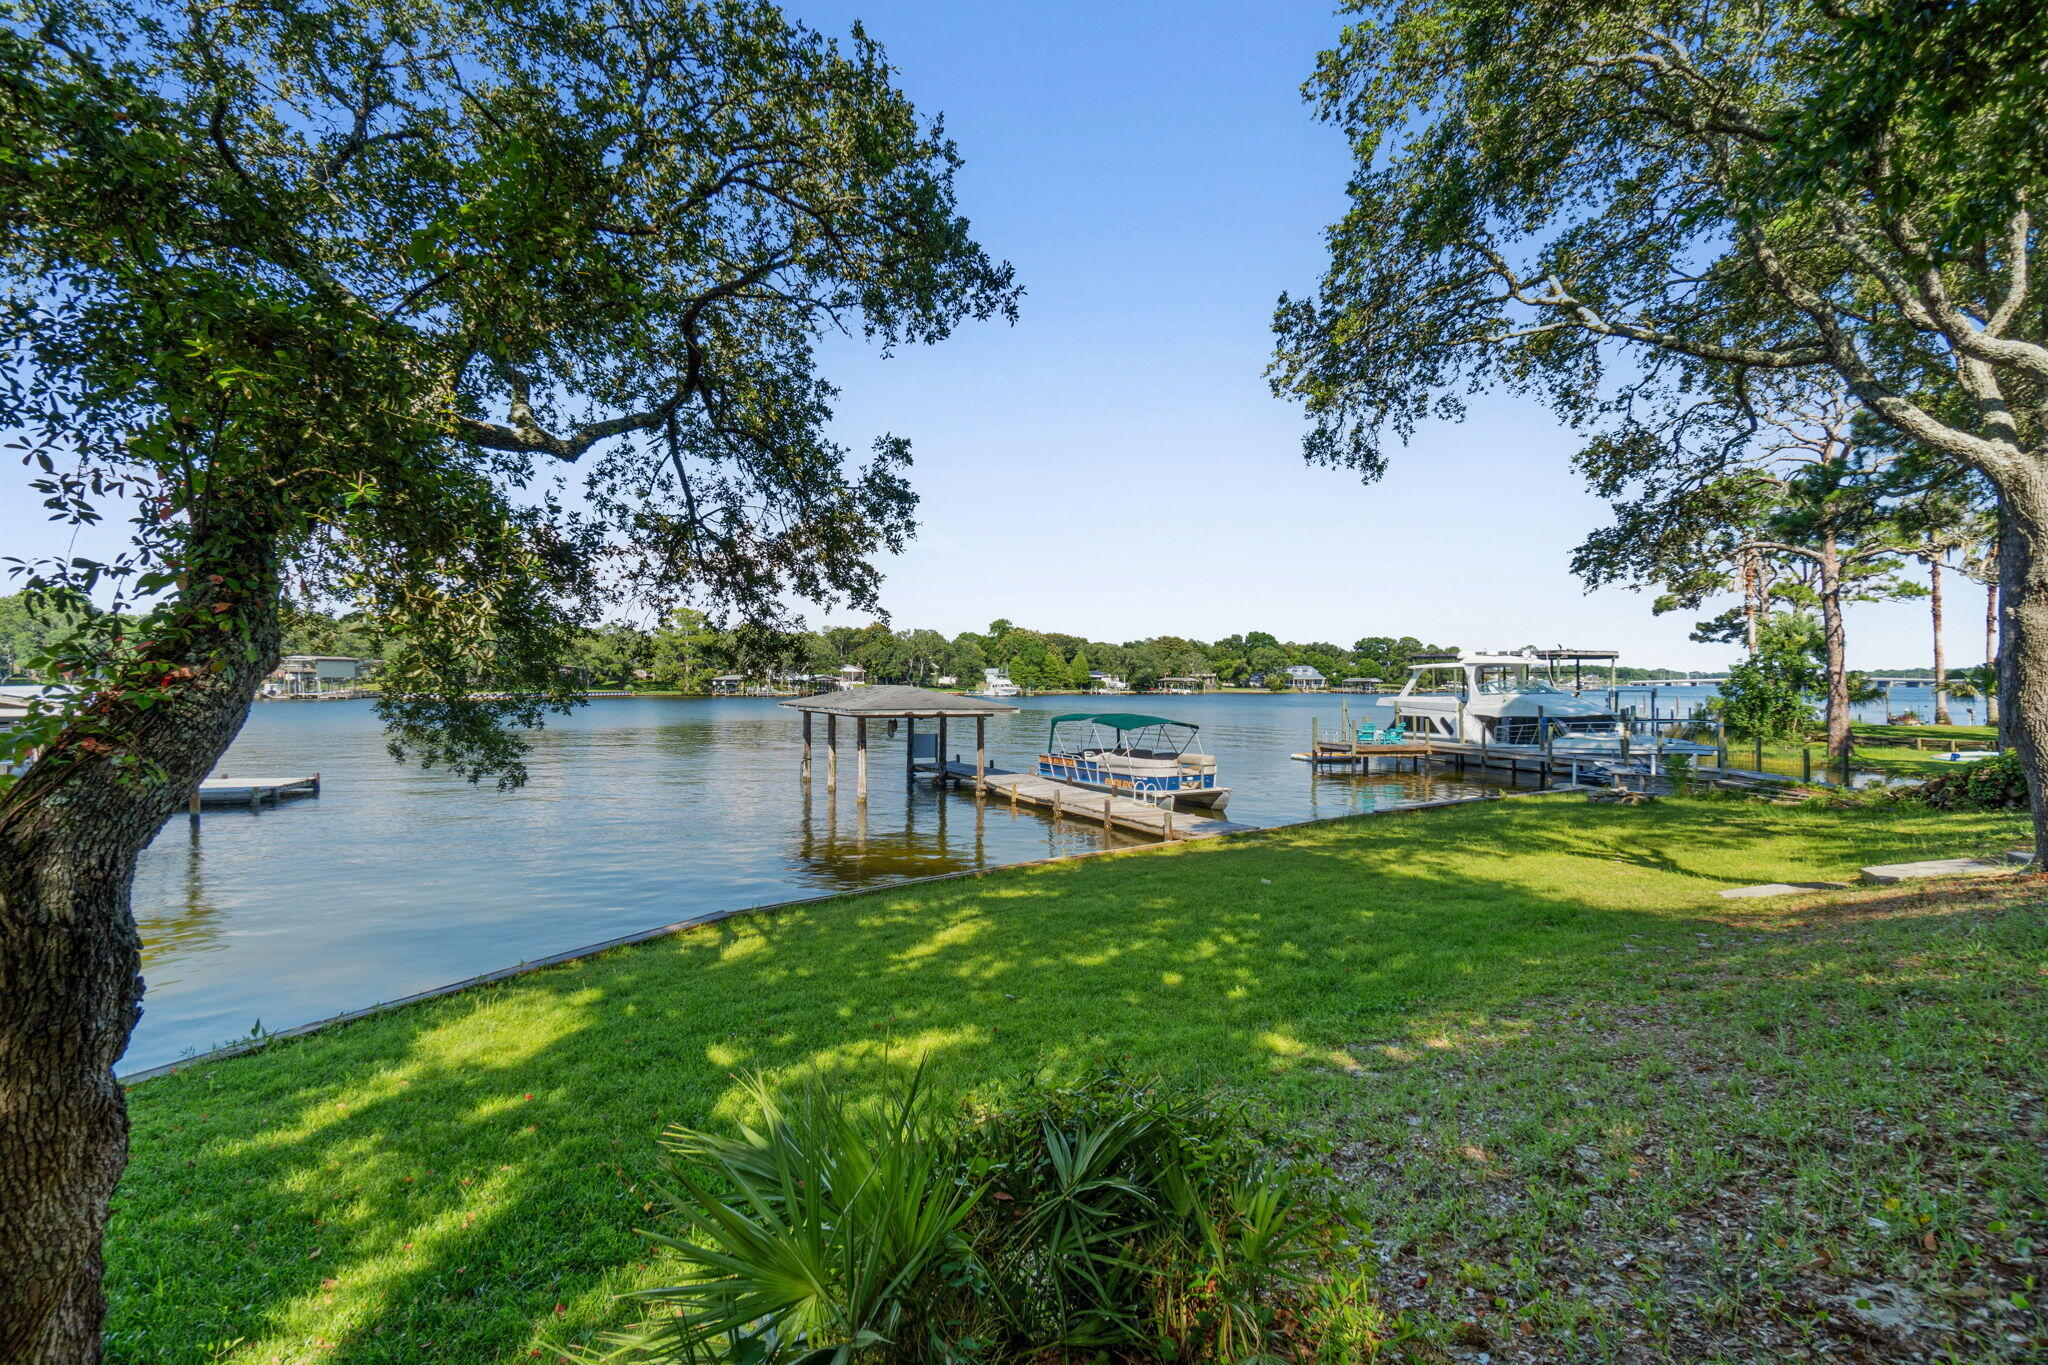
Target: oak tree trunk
2023,640
1940,662
1991,656
1834,640
70,989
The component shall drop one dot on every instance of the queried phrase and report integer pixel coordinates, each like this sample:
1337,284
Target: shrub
1124,1220
1107,1219
1988,784
819,1236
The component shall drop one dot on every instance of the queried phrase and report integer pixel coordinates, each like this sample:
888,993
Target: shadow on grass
460,1180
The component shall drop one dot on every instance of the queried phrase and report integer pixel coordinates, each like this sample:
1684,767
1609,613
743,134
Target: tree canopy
472,318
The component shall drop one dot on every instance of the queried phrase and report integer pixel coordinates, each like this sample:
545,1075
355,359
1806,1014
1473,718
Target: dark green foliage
1998,783
1131,1221
822,1234
1770,694
1106,1218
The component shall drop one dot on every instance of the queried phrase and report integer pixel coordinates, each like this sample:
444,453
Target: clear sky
1151,170
1114,464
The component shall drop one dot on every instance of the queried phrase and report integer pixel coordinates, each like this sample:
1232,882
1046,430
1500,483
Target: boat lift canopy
1129,722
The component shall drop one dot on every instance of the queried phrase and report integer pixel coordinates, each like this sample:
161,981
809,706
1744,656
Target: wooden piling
981,753
807,748
831,753
860,758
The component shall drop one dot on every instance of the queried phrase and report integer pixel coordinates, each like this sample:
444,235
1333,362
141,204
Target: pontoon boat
1147,758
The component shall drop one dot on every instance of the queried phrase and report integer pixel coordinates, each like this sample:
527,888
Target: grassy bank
1535,980
1887,749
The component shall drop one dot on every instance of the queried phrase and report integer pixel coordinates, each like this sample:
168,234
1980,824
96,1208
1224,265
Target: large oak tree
476,316
1605,203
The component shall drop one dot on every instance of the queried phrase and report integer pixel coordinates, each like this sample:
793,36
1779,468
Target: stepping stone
1744,893
1890,874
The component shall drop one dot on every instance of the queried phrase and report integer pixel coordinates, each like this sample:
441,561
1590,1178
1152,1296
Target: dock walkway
1120,812
253,791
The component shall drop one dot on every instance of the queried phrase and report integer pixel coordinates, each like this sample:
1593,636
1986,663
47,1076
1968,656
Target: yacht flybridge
1147,758
1499,701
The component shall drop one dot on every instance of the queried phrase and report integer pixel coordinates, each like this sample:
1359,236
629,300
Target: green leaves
481,324
1101,1218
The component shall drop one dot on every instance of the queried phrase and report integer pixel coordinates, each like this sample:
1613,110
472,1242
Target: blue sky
1114,464
1151,170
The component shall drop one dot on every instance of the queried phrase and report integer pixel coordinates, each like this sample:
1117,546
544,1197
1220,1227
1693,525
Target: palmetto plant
815,1236
1122,1220
1106,1220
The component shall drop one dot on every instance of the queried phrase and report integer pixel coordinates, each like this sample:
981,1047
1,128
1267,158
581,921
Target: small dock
1332,751
253,792
1079,803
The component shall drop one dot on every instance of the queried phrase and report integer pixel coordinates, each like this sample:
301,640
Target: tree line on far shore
686,651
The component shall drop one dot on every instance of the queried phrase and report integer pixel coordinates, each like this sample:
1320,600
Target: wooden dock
1330,751
253,792
1080,803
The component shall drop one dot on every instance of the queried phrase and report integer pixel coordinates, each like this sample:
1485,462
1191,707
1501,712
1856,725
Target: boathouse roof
893,700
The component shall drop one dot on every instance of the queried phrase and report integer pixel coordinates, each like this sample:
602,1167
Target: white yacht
1499,701
996,683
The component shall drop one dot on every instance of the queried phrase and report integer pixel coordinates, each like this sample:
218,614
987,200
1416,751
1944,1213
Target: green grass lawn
1550,984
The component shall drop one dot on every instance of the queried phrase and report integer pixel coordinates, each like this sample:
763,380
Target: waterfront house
1190,682
307,675
1107,682
727,685
1305,678
850,677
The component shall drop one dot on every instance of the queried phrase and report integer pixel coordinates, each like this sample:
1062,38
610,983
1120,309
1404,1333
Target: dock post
831,752
909,751
980,753
945,773
860,758
316,784
192,807
807,748
1166,822
1107,801
1056,800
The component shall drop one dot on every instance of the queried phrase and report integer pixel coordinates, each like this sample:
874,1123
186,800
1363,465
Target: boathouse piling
893,703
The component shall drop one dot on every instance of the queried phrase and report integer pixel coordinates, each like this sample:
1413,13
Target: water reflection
638,812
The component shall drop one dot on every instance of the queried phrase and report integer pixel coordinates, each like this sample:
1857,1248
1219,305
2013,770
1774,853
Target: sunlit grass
460,1180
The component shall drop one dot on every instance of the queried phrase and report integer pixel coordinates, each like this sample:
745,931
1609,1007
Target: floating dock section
253,792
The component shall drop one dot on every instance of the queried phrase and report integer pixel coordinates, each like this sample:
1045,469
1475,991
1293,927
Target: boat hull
1086,776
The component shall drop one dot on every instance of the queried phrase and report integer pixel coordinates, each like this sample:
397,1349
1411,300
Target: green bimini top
1122,720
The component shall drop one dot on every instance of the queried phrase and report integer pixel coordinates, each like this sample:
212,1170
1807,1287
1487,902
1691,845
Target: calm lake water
638,812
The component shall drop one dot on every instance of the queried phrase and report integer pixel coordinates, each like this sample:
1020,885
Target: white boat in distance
1496,700
996,683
